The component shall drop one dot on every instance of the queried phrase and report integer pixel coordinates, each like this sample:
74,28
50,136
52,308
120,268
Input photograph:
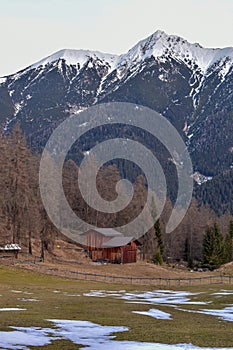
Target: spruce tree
228,244
158,235
213,249
230,231
158,257
228,248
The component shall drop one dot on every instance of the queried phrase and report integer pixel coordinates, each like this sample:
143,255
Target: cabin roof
107,232
117,242
11,246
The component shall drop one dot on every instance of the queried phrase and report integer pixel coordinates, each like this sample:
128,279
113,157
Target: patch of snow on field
11,309
87,334
167,297
225,314
22,337
71,295
224,292
30,299
20,291
158,314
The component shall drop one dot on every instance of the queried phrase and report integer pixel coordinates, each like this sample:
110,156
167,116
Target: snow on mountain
188,84
161,46
2,80
76,57
113,70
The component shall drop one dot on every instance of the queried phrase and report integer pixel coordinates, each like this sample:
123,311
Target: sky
33,29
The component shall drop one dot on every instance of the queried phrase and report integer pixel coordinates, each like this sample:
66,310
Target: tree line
23,218
217,249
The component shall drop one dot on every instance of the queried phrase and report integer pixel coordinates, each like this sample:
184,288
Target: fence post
159,281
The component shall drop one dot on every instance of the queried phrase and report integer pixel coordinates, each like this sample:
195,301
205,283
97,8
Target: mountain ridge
159,41
159,46
189,85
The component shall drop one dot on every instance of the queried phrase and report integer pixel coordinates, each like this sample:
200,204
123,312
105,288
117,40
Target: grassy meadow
60,298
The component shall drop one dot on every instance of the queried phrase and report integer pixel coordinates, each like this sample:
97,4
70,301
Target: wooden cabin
111,246
9,250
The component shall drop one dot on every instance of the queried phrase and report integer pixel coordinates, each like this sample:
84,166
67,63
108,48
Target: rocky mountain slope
188,84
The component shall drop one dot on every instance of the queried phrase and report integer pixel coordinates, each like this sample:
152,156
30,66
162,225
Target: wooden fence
143,281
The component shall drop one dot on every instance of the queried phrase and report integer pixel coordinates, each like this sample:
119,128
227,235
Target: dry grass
185,327
70,257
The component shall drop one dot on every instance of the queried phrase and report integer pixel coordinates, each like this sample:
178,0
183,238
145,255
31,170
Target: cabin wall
112,254
126,254
95,240
9,254
96,254
129,253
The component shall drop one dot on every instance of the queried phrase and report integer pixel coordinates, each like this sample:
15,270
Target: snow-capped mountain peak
76,57
161,45
189,85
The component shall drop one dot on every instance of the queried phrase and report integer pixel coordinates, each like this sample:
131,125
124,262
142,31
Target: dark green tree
230,231
228,244
213,248
158,259
157,228
190,263
159,237
228,248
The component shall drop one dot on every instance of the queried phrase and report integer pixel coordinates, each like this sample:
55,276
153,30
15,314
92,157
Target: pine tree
158,257
213,249
231,229
190,264
158,235
228,248
228,244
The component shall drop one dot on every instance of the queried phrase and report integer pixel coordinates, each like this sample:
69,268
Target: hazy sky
33,29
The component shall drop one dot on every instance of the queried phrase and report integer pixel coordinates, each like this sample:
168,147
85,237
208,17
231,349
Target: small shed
9,250
111,246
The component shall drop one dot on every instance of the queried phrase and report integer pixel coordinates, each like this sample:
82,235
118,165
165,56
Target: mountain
188,84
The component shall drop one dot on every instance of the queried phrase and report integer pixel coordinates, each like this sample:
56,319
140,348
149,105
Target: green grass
200,330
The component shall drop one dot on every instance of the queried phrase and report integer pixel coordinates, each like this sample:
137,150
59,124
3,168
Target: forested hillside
23,216
189,85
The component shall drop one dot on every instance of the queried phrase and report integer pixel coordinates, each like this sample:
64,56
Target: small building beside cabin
9,250
104,244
